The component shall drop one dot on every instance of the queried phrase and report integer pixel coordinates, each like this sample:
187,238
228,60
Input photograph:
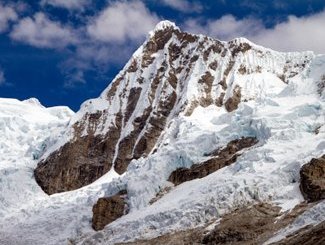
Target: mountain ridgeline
170,75
195,141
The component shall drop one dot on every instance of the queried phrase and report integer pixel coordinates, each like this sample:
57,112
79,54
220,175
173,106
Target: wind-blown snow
283,117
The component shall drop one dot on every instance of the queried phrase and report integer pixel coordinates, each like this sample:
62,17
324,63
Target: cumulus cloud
2,77
95,57
225,28
67,4
122,21
183,5
42,32
123,24
294,34
7,14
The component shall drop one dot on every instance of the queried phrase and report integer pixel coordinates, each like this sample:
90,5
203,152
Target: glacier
284,118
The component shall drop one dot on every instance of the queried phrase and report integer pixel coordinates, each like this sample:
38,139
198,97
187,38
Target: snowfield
25,131
283,117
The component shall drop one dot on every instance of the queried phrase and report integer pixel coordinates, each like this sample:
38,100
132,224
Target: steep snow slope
25,130
287,117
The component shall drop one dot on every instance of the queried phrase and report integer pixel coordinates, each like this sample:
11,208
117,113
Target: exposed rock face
232,102
321,85
172,73
160,194
188,237
244,226
221,158
312,179
310,235
108,209
80,162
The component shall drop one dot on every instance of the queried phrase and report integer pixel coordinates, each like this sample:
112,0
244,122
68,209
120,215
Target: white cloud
94,56
295,34
42,32
67,4
123,24
7,14
183,5
121,21
225,28
2,77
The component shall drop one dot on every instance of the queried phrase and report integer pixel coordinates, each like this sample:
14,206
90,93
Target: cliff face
312,179
171,74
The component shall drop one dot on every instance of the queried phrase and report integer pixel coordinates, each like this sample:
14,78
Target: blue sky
66,51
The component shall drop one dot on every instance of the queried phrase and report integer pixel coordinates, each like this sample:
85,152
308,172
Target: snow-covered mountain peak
163,25
33,101
191,129
171,75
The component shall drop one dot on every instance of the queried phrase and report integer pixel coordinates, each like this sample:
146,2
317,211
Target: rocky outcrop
188,237
233,102
221,158
160,194
321,85
244,226
309,235
254,224
312,179
108,209
80,162
206,83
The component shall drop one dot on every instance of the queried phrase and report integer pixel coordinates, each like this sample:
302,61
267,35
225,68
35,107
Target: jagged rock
80,162
233,102
108,209
206,83
188,237
88,163
312,179
309,235
254,224
160,194
219,100
221,158
242,69
244,226
321,85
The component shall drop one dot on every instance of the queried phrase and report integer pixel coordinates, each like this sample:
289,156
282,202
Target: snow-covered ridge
271,60
266,66
162,25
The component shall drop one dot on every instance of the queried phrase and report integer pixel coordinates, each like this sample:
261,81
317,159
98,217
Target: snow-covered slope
281,103
25,130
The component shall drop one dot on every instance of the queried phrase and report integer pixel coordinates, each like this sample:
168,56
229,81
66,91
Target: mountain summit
169,76
195,141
